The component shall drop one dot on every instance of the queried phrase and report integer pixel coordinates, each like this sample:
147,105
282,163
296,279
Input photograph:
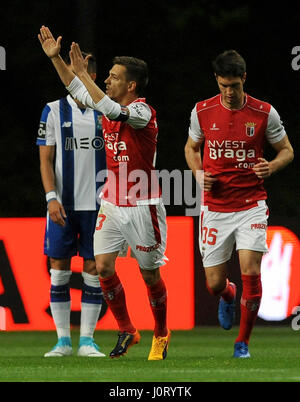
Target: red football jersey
130,155
234,140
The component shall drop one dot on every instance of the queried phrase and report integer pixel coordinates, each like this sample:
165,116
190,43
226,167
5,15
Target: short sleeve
275,130
139,115
195,131
46,133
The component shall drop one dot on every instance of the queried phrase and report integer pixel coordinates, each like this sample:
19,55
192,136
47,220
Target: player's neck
236,104
127,99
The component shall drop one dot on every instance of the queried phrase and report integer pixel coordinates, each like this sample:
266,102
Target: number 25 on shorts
100,220
209,236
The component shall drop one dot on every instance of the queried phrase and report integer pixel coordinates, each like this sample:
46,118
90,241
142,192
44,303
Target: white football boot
88,348
62,348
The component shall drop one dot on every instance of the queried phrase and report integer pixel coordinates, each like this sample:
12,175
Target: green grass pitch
200,355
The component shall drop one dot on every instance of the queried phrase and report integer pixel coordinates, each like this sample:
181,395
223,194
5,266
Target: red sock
250,301
157,295
227,293
114,296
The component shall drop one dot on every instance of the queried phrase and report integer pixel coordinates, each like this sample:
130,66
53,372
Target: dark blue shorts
75,238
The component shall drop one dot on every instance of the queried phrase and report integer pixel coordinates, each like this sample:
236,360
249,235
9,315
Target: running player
131,209
72,151
232,128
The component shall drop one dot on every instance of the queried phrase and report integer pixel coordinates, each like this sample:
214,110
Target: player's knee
105,268
251,270
250,262
216,279
251,267
89,266
151,277
215,285
105,264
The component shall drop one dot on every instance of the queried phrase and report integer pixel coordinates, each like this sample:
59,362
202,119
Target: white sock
60,303
91,304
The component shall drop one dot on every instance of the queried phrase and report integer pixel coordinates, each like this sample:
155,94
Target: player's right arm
193,154
56,210
193,158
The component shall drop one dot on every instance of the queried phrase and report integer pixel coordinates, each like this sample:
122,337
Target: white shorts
219,231
142,227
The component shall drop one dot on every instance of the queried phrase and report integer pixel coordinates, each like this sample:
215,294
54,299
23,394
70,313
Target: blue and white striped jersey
80,152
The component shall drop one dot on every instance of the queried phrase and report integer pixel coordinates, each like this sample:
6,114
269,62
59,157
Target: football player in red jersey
136,218
232,128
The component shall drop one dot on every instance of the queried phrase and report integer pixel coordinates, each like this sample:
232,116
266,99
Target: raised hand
50,46
78,62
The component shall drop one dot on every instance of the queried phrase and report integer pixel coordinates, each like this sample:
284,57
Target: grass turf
200,355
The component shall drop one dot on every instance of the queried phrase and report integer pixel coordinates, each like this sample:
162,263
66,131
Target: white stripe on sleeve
195,131
275,130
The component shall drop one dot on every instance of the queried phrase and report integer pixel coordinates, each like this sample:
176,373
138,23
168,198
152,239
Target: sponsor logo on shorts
147,249
258,226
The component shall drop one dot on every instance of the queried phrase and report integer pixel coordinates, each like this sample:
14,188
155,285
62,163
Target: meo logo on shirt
72,143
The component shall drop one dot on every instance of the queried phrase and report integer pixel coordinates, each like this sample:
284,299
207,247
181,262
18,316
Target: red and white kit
132,212
233,142
143,228
130,153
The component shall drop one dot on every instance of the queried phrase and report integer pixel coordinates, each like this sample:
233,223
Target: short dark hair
229,64
92,64
136,70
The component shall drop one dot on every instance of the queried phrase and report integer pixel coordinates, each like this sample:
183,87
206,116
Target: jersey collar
234,110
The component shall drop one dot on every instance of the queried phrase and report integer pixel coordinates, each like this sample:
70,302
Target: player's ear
244,78
131,86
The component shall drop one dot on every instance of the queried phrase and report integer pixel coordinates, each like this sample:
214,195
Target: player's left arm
285,155
87,92
52,48
79,65
277,137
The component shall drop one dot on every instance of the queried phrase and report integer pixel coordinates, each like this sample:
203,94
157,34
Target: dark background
178,39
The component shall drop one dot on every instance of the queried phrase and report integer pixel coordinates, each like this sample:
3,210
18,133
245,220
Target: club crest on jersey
99,122
250,128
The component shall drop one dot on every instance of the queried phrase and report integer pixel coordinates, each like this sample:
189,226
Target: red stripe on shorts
155,224
201,224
